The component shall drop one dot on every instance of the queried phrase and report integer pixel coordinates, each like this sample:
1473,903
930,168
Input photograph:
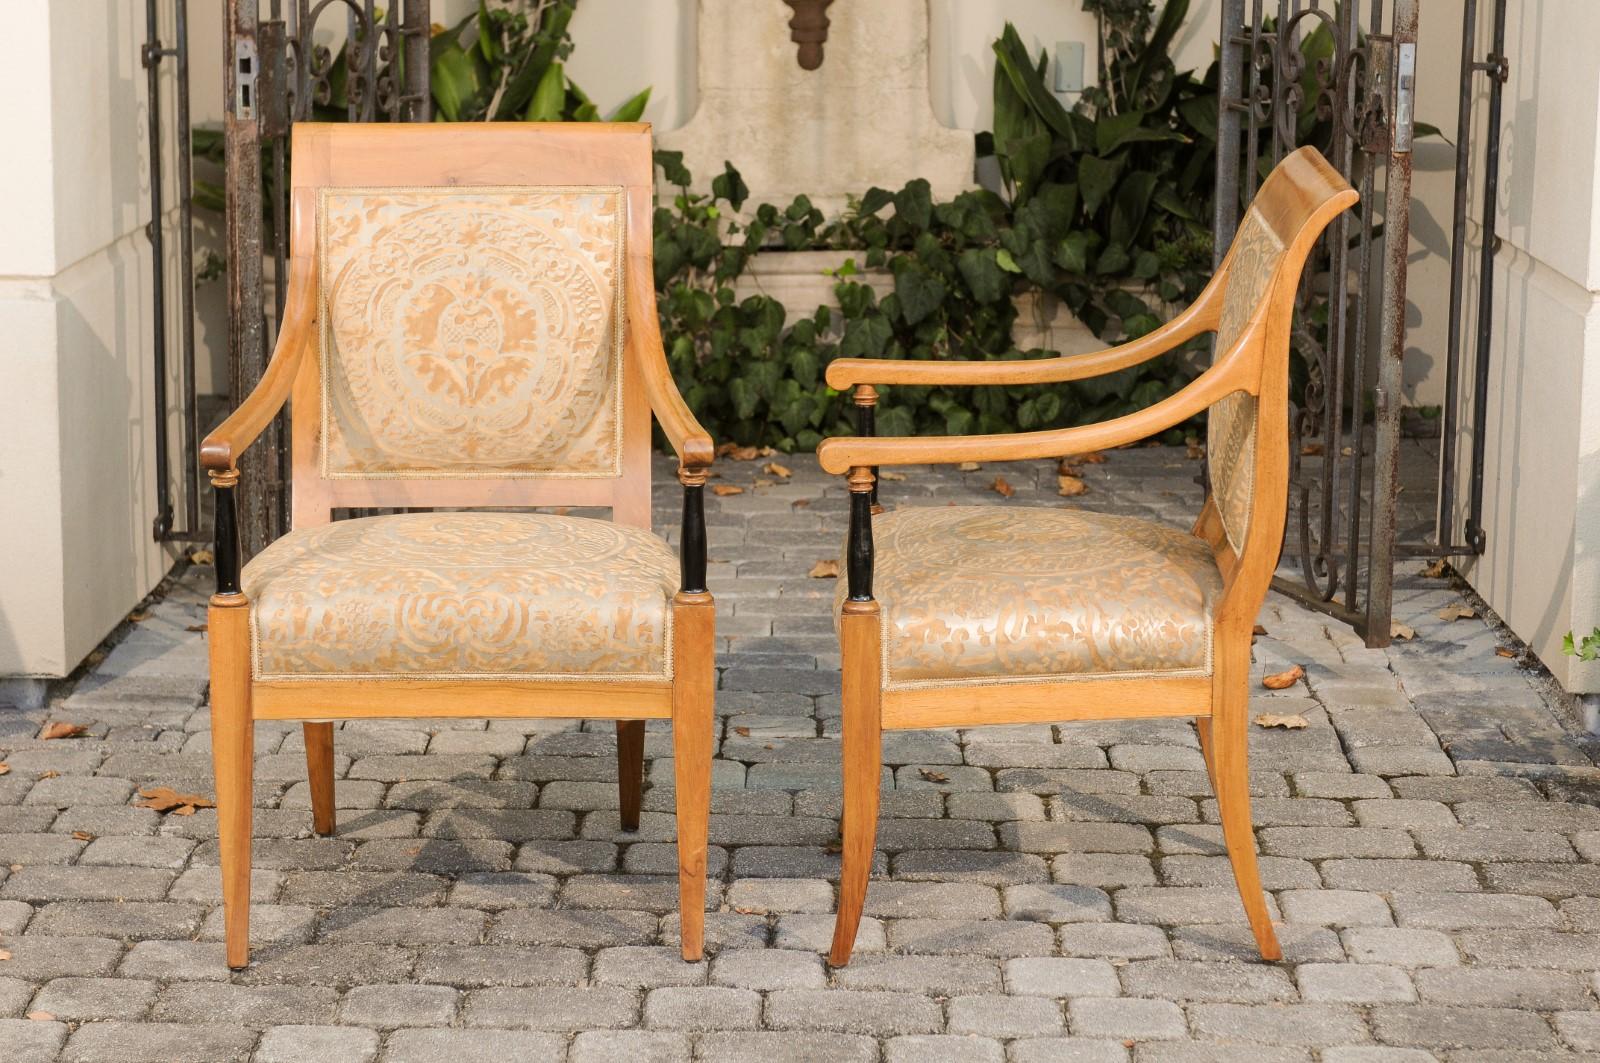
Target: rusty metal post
247,338
1401,96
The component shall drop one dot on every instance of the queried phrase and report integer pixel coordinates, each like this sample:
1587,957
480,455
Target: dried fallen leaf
1311,450
969,466
62,729
1287,721
835,846
1283,680
4,767
762,481
742,732
772,468
1070,486
1258,630
201,557
139,616
1504,651
1002,488
1094,457
1437,569
5,954
1194,450
933,776
726,489
195,627
1403,632
166,799
1457,612
83,836
42,1016
890,474
737,453
827,568
800,503
50,774
749,911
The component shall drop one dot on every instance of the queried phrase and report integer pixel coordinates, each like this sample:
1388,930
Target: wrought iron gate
1343,78
277,75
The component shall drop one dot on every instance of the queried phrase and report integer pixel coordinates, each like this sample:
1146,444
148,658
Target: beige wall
77,501
1541,570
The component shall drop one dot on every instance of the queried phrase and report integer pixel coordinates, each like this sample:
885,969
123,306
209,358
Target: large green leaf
520,89
913,204
672,168
549,99
1096,178
729,185
981,270
1011,56
920,293
454,78
632,110
1130,205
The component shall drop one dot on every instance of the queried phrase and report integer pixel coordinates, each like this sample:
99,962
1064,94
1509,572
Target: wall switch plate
1069,66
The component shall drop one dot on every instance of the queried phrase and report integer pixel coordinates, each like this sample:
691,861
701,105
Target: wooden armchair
959,616
471,323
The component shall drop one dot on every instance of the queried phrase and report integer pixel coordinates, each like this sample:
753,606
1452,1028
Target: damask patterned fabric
1231,424
991,594
471,332
520,596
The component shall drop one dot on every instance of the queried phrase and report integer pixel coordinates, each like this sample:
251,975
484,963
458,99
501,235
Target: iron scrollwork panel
1309,72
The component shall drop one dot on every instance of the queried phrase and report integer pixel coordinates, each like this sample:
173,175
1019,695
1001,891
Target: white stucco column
77,484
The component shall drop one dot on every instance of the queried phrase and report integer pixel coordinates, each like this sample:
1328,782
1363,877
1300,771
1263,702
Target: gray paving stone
1052,976
1441,1028
245,1005
1354,983
943,976
1400,946
633,1046
943,1048
28,1041
982,937
1307,1025
123,1042
1125,1019
389,1006
1004,1016
96,999
1467,911
1503,988
325,1044
764,970
1335,908
1188,981
645,967
879,1014
702,1008
1068,1050
791,1046
552,1008
436,1046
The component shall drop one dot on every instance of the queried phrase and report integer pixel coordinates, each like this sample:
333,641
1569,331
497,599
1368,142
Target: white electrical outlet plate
1069,66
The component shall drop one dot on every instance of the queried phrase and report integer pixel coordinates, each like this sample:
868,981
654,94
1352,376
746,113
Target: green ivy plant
1585,649
1102,209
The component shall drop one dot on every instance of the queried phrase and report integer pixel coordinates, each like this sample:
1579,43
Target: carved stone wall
860,119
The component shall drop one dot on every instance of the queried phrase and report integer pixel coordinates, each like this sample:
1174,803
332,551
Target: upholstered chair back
473,318
1232,424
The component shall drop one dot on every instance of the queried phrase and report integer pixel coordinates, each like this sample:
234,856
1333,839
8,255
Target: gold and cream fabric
471,332
1231,424
993,594
517,596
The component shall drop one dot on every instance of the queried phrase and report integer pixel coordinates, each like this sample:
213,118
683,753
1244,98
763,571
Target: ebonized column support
692,541
225,555
858,551
866,399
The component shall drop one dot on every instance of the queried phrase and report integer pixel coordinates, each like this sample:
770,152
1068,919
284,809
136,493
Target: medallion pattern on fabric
1231,424
462,596
471,332
989,594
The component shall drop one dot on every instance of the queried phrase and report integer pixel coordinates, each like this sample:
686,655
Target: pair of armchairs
471,324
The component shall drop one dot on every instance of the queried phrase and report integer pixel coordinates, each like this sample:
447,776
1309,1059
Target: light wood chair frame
1298,201
412,156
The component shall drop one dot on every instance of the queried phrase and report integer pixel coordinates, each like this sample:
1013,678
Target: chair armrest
221,449
1198,317
690,441
1237,370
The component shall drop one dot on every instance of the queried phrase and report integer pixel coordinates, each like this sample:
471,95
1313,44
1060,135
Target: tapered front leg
863,765
1226,739
232,753
693,720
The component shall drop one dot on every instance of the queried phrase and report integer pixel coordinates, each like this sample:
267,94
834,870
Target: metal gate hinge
244,79
1405,97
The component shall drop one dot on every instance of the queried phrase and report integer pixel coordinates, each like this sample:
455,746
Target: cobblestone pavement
1046,893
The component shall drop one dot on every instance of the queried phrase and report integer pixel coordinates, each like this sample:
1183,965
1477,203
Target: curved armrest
692,443
1231,373
1198,317
221,448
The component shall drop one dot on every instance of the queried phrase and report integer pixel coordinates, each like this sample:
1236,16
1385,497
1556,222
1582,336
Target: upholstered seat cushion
991,593
518,596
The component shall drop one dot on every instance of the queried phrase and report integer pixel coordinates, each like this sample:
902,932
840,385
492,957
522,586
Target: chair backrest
474,287
1247,433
